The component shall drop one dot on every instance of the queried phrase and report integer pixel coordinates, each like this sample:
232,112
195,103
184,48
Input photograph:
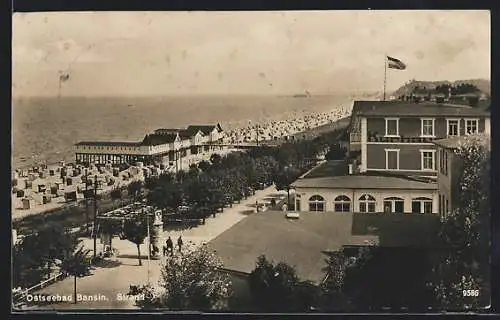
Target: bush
277,288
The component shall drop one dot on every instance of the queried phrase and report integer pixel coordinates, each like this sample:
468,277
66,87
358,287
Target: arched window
366,203
342,204
421,205
394,205
316,203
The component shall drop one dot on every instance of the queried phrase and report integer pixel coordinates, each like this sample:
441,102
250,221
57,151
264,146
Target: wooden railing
39,285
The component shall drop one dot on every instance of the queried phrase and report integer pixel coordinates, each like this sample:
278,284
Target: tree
390,277
116,194
135,189
135,231
193,171
204,166
464,262
335,269
76,264
189,281
277,288
335,152
37,253
285,178
110,228
215,159
371,278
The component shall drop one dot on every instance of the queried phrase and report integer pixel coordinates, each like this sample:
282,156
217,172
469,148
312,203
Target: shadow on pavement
108,264
132,256
247,212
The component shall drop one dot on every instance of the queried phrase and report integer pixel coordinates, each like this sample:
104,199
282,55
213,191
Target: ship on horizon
306,94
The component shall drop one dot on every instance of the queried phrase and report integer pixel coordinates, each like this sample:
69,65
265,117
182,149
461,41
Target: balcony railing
402,139
356,138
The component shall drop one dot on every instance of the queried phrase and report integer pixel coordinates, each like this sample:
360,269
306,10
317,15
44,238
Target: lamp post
95,216
149,240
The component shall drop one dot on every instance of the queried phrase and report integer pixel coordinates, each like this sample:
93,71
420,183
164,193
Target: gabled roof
108,143
183,133
457,142
408,108
155,139
205,129
166,131
193,130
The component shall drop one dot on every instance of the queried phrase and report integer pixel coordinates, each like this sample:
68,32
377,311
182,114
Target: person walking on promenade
179,243
170,245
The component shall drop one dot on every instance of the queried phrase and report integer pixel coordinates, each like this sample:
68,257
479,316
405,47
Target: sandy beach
43,188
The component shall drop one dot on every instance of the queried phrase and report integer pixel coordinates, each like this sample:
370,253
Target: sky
165,53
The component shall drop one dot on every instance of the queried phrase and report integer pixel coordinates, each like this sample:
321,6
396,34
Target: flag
394,63
64,77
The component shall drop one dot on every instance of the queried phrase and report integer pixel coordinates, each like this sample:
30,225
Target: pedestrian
179,243
170,245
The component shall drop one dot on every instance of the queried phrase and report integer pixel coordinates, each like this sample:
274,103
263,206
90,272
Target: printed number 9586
470,293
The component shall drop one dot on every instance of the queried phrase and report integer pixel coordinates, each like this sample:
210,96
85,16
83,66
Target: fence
39,285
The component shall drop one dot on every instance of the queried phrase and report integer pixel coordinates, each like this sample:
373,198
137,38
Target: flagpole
385,73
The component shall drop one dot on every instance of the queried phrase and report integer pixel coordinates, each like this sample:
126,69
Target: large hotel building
394,151
160,146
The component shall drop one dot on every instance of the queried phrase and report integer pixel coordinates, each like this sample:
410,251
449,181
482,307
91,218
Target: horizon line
195,94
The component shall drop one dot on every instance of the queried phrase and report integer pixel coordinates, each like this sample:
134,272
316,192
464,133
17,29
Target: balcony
402,139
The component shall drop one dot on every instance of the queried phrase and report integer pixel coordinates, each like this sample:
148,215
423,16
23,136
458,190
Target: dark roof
183,133
456,142
167,131
329,169
109,143
155,139
359,181
407,108
205,129
302,243
193,130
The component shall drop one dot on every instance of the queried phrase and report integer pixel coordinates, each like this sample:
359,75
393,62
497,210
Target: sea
44,129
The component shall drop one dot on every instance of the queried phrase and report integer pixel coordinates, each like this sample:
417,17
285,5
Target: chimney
350,169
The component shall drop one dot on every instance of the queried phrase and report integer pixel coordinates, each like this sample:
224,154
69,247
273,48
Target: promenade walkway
119,273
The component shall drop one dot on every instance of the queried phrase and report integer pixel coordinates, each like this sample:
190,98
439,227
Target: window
453,127
392,159
427,128
427,160
471,126
316,203
421,205
392,127
342,204
366,203
393,205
